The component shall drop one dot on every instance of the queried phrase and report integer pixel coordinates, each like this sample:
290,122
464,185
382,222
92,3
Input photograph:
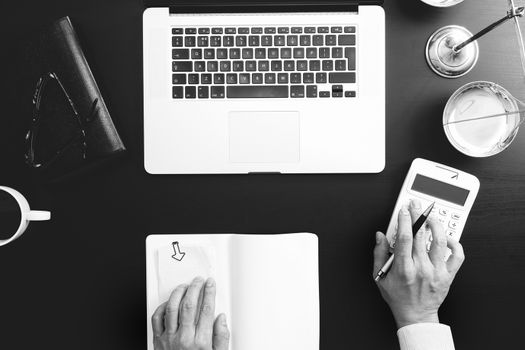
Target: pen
417,225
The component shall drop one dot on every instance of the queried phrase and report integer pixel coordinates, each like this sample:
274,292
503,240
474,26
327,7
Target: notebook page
275,292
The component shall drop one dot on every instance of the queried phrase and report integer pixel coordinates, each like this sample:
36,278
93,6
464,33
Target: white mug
26,214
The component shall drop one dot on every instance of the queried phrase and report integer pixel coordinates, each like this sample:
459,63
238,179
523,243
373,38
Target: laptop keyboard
264,62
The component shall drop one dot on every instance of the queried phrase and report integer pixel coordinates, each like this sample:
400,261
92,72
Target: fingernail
379,237
224,322
210,283
415,204
198,280
404,210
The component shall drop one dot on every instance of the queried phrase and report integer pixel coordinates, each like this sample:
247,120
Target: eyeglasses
57,126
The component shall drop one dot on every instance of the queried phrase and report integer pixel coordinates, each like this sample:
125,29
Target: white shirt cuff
425,336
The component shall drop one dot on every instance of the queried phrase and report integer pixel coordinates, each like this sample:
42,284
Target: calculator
453,192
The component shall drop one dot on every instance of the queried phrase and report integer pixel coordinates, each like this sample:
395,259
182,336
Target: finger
157,320
419,249
380,252
171,319
457,258
221,334
438,247
188,309
403,247
207,314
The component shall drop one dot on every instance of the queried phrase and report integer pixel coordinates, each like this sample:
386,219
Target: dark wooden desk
78,282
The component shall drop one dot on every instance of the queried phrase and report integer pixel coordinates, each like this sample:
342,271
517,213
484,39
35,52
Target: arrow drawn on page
178,254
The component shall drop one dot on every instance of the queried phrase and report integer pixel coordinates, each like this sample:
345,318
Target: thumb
380,252
221,334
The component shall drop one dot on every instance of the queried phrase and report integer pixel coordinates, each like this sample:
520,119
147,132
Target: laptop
268,86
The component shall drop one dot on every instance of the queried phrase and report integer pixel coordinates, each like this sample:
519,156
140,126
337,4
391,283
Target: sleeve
425,336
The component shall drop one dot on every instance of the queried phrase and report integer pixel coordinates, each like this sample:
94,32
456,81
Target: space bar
273,91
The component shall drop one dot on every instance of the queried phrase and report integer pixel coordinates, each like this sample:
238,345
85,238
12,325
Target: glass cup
482,119
15,215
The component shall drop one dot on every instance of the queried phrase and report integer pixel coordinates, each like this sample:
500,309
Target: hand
182,323
418,282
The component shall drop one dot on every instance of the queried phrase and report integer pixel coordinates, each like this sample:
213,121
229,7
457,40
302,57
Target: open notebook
267,285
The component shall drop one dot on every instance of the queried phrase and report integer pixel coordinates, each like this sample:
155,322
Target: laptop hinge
255,7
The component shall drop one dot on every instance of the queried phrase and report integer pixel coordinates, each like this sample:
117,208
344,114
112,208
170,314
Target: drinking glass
482,119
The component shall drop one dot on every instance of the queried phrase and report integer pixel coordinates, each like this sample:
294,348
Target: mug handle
38,215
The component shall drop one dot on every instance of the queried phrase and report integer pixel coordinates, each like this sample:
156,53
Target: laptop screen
252,3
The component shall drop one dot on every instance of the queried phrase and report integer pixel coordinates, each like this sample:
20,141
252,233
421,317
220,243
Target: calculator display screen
441,190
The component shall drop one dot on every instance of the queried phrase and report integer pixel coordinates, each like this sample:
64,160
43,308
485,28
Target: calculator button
453,224
443,212
456,216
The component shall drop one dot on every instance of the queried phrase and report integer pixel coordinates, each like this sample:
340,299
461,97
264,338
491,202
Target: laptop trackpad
264,137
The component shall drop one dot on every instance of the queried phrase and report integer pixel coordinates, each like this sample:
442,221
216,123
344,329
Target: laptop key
257,30
260,53
183,66
191,92
216,31
324,94
298,52
254,40
257,78
323,30
270,78
295,78
228,41
277,66
346,40
225,66
213,66
315,65
350,55
191,31
243,30
269,30
282,78
297,91
215,41
302,65
177,41
180,54
177,31
196,54
204,30
217,92
179,79
297,30
251,66
190,41
222,54
349,29
337,91
308,78
286,52
203,92
244,78
350,94
218,78
235,54
178,92
337,30
321,78
318,40
260,91
324,52
206,78
241,40
231,78
231,30
311,52
292,40
289,66
193,79
328,65
200,66
340,65
279,40
283,30
238,66
331,40
310,30
305,40
266,40
209,54
264,66
311,91
202,41
342,78
247,54
337,52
